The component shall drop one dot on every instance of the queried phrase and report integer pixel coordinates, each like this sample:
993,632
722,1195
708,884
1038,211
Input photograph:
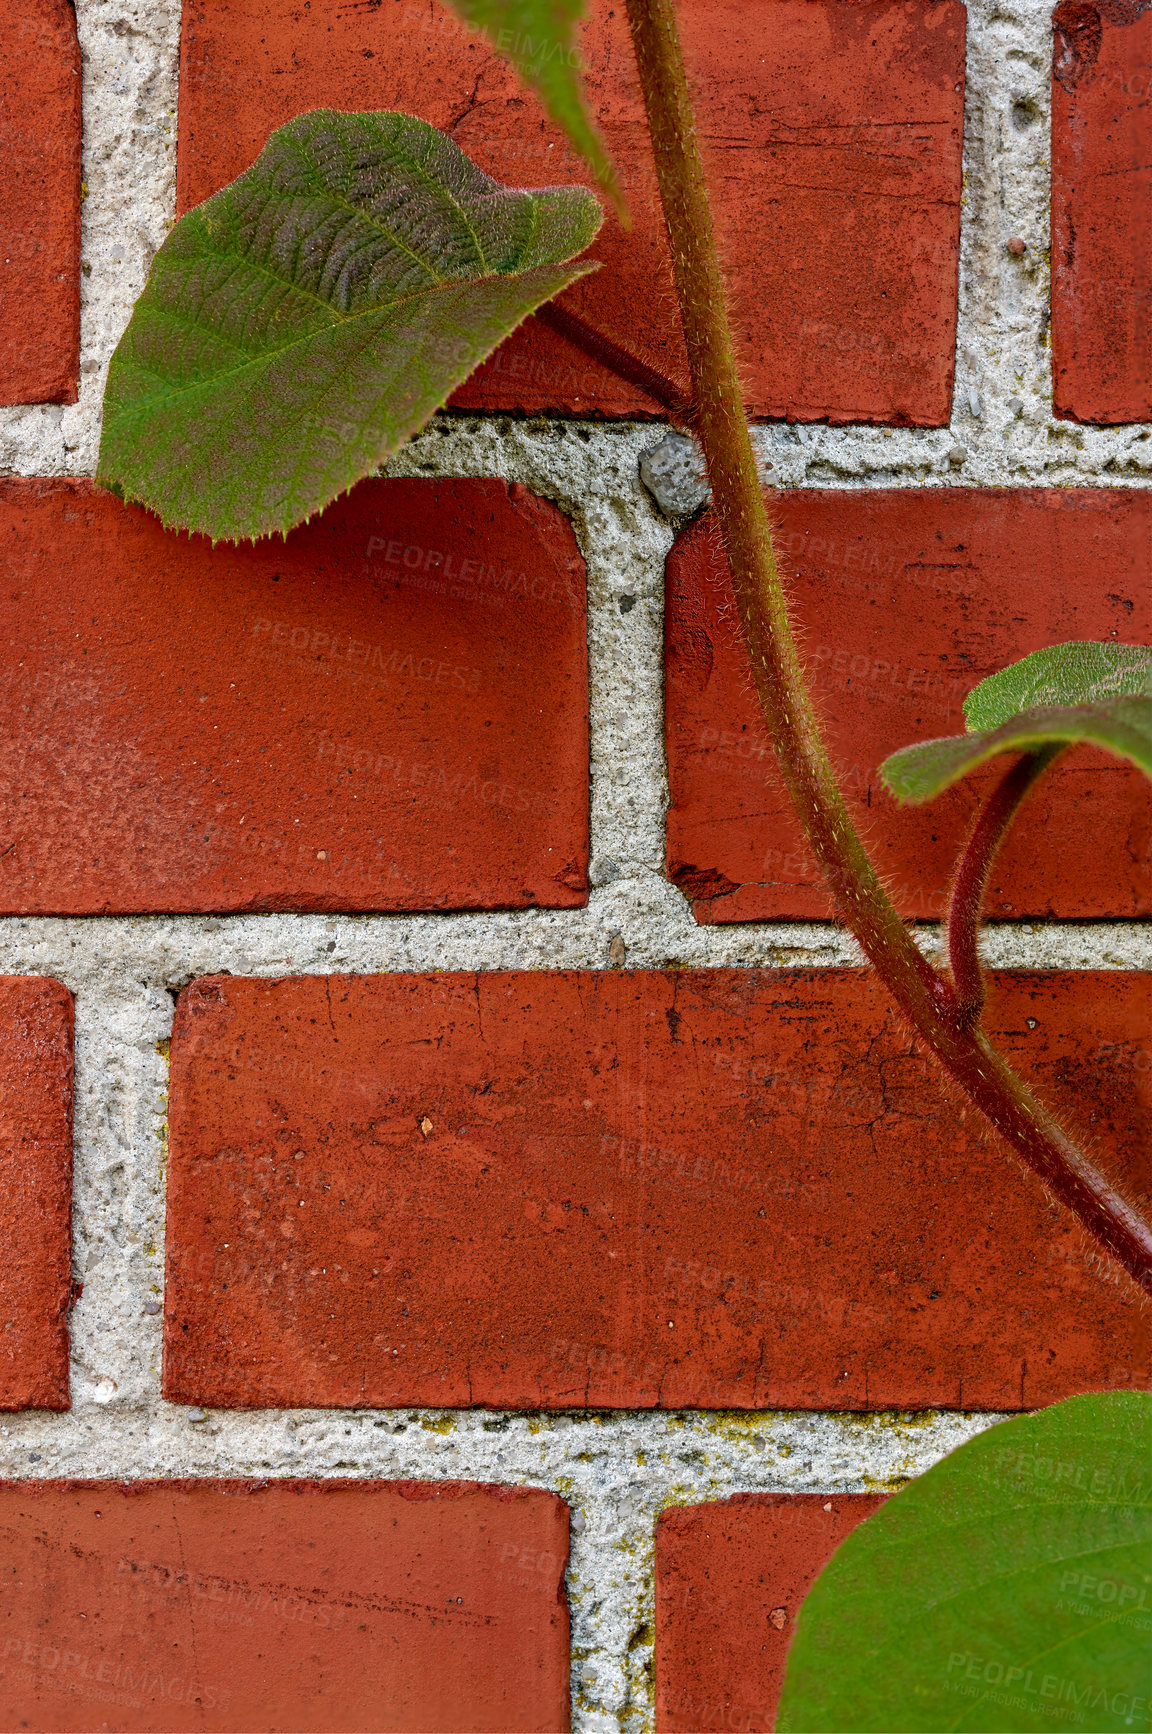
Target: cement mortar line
834,1451
164,952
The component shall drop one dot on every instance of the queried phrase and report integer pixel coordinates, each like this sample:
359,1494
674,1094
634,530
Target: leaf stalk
966,903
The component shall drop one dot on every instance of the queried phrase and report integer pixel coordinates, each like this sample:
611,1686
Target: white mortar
617,1470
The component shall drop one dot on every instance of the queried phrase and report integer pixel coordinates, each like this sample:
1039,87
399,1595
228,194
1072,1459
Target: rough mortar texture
618,1470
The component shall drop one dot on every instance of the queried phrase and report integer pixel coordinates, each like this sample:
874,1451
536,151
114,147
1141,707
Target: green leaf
1008,1589
305,321
1062,674
538,37
1098,693
1121,725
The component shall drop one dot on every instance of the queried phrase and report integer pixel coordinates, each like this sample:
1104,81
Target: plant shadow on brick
303,323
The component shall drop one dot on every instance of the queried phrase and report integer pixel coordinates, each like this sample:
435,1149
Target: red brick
844,278
40,217
730,1578
35,1191
712,1188
1102,211
389,710
292,1605
904,601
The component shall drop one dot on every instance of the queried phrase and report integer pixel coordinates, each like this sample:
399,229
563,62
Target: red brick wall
451,1229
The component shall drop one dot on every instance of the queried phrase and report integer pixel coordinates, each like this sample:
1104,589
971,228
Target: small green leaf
305,321
1008,1589
1098,693
538,37
1061,674
1120,725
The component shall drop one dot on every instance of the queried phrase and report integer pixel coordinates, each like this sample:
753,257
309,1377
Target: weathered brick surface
35,1191
291,1605
730,1577
903,602
39,202
1102,211
708,1188
834,140
389,710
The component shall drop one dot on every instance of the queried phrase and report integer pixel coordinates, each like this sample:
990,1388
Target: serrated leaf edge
1034,728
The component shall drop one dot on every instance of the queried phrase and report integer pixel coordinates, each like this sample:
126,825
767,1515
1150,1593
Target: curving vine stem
970,882
940,1014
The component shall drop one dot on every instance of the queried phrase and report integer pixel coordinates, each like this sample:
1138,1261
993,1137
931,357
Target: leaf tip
609,185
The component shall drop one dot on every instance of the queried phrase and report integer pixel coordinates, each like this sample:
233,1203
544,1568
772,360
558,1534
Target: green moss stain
438,1423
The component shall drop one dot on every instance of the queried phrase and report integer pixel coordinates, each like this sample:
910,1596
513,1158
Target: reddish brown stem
971,881
922,995
618,361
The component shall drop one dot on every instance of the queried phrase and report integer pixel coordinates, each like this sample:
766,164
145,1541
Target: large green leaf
1009,1588
538,37
1061,674
1097,693
300,325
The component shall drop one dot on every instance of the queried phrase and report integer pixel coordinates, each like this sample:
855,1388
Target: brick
296,1605
388,710
35,1191
844,275
730,1577
40,213
904,601
714,1188
1102,211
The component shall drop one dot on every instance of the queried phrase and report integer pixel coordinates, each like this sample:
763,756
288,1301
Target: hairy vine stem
924,997
971,879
